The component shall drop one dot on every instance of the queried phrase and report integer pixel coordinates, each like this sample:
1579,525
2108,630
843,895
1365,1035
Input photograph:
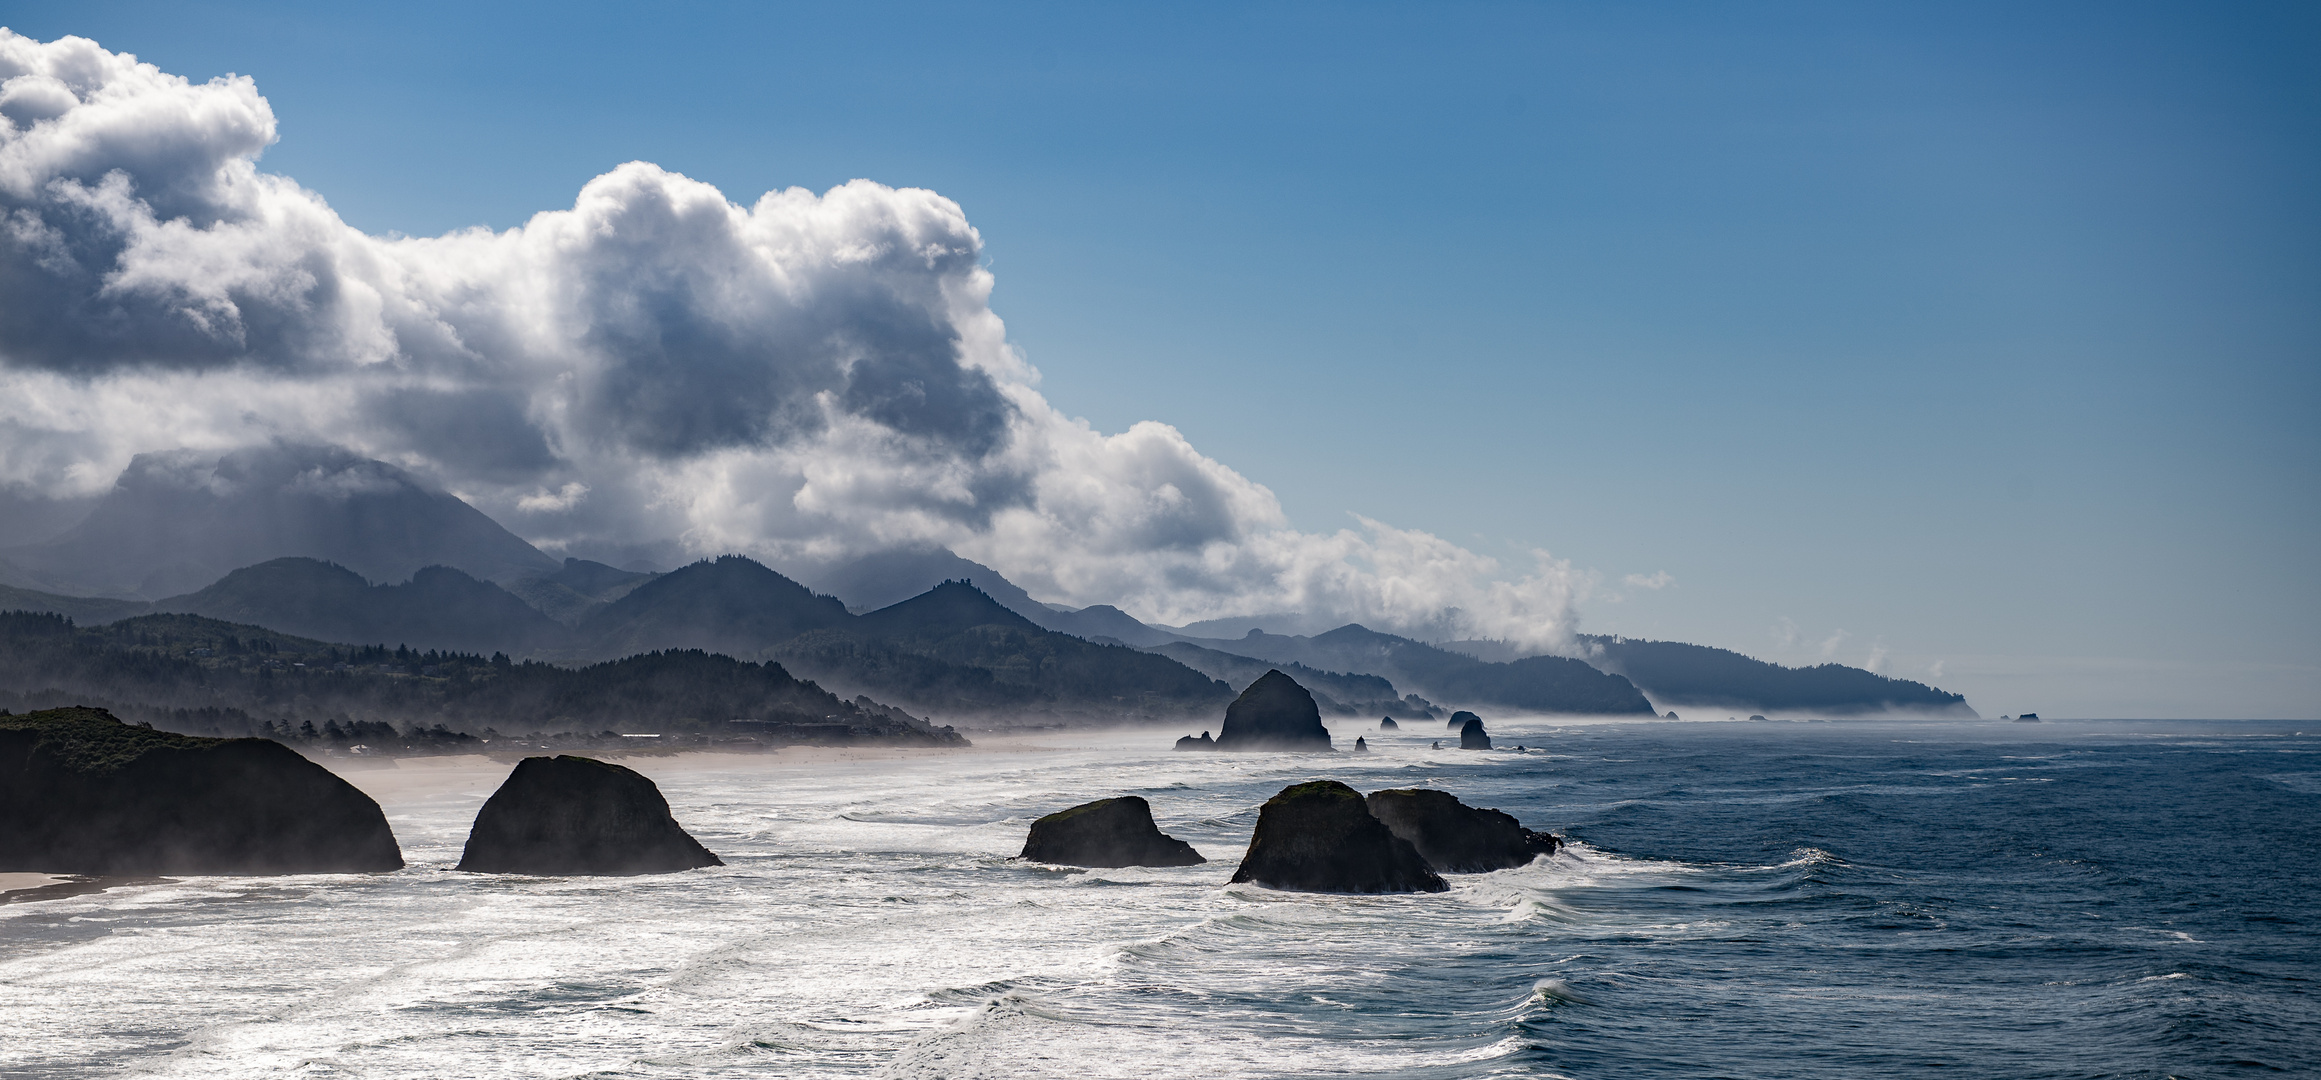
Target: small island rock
83,793
1454,837
1386,723
1473,737
1459,719
1361,745
1107,832
571,815
1321,837
1202,743
1275,713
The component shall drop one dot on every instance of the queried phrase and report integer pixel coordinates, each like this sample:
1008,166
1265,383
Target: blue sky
1985,335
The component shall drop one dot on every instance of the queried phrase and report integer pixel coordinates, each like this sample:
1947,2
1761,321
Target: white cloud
804,376
1658,579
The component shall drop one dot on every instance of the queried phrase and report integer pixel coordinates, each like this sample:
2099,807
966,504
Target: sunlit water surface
1743,900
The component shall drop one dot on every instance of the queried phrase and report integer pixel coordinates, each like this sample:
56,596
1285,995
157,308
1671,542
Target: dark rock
1459,719
576,815
1107,832
1361,745
83,793
1202,743
1386,723
1275,713
1320,837
1454,837
1473,737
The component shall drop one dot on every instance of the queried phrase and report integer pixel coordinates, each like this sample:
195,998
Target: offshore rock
1361,745
1472,736
1320,837
1107,832
1459,719
1386,723
1202,743
571,815
83,793
1454,837
1275,713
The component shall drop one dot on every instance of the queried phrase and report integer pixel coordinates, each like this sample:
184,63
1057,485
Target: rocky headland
1455,838
1321,837
1106,833
571,815
83,793
1274,713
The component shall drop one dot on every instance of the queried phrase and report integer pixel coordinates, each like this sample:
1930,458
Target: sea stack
1472,736
1454,837
1361,745
571,815
1275,713
1459,719
1202,743
1106,833
1320,837
83,793
1386,723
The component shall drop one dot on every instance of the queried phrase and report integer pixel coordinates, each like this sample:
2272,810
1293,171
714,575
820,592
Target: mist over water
1792,900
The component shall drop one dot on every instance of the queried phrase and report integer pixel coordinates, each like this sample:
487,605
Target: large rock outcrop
1473,737
1321,837
1456,838
1275,713
571,815
1459,719
1107,832
83,793
1203,743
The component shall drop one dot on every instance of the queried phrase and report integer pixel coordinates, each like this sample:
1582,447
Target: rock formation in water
1386,723
1472,736
1459,719
1361,745
573,815
1454,837
1275,713
1202,743
83,793
1107,832
1321,837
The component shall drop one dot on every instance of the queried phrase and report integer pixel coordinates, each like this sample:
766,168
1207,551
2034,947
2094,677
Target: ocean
1794,900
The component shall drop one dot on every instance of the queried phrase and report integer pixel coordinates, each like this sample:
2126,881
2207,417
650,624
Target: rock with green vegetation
1454,837
1107,832
1472,736
571,815
1275,713
83,793
1321,837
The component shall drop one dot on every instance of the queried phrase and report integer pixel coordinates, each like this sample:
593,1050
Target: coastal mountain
1336,694
954,648
1549,684
885,578
729,605
576,590
200,675
439,608
175,522
1675,673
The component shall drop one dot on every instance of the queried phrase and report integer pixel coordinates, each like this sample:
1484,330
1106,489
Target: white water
869,921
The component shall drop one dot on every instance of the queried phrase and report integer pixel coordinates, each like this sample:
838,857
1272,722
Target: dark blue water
2066,900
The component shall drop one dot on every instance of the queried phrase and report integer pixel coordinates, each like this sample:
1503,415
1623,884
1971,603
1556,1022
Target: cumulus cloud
803,377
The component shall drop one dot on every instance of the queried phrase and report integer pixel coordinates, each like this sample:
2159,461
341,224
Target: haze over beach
915,541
